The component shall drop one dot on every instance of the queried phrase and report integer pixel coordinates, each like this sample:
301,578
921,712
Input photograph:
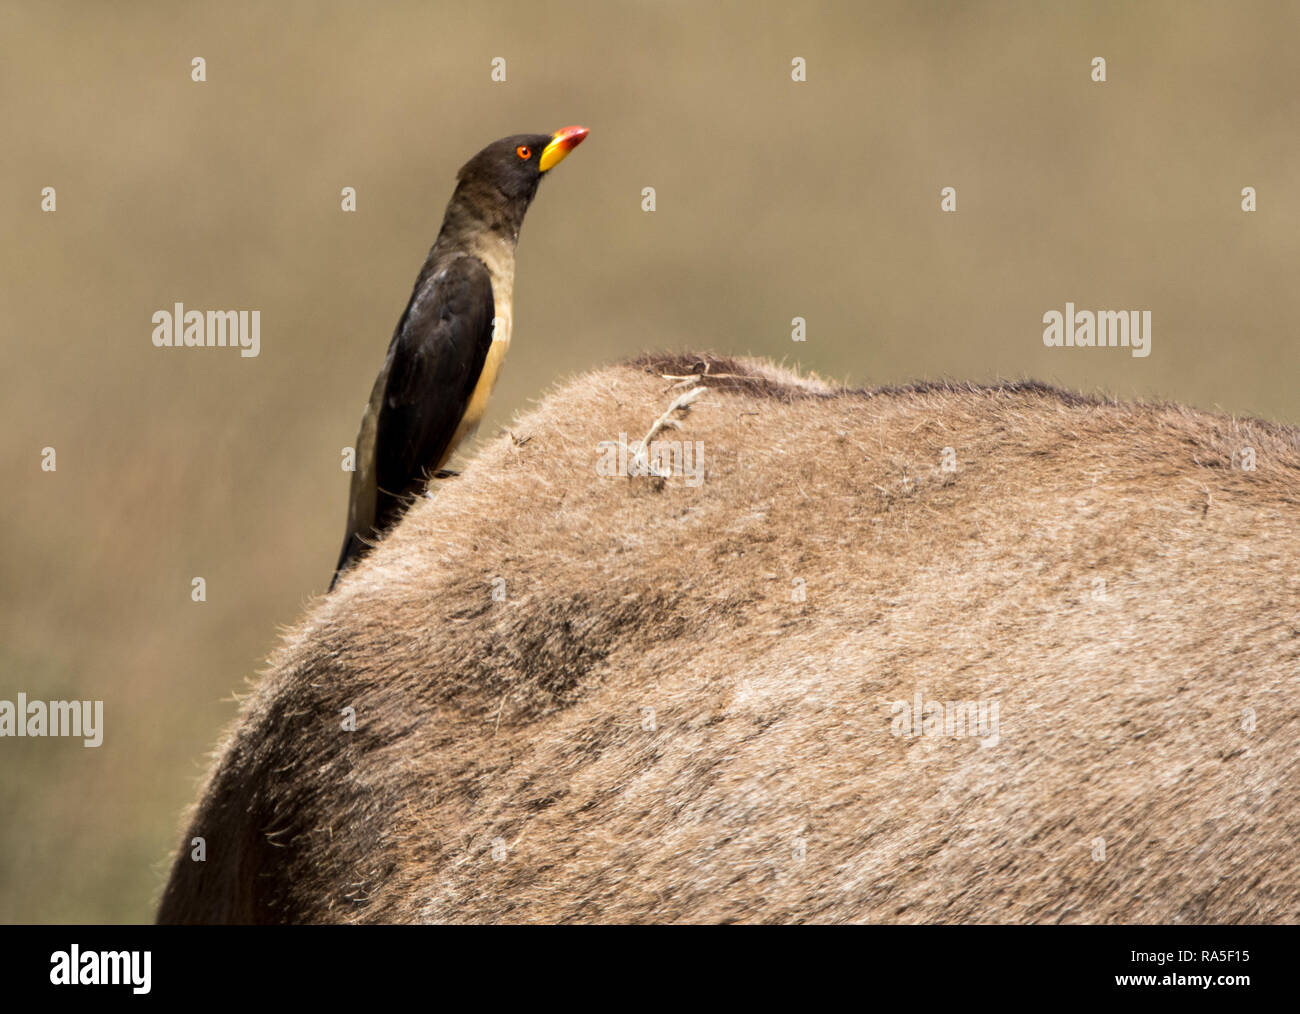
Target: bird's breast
501,269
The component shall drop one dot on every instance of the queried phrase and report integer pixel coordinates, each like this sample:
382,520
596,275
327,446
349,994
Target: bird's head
513,166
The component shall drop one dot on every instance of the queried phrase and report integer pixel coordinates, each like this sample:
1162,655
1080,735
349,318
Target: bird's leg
442,473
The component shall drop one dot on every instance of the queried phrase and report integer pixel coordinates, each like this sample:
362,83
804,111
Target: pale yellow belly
478,401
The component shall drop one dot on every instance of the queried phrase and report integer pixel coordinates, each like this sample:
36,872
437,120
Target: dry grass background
775,199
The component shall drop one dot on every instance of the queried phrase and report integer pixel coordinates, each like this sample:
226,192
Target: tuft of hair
757,697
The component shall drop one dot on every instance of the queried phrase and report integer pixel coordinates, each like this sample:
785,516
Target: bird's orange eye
523,151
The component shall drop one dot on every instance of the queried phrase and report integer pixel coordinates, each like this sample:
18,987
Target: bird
448,346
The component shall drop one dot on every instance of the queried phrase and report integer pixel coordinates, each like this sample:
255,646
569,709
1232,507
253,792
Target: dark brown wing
434,362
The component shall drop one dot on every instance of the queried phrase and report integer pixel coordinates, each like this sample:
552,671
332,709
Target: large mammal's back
584,697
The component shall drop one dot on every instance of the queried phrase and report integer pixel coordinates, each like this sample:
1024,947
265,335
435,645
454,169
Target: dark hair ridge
681,710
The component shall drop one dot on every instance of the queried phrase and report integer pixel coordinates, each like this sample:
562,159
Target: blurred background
775,199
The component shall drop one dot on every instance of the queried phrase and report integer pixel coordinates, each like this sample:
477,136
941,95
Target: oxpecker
448,347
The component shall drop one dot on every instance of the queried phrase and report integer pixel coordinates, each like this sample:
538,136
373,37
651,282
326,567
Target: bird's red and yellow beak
562,142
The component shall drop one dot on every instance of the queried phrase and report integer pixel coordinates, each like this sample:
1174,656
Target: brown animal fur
504,767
